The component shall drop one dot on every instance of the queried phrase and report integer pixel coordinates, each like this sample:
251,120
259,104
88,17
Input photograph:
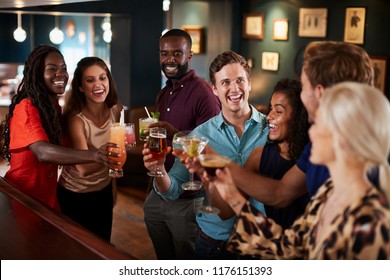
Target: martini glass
193,145
212,162
177,143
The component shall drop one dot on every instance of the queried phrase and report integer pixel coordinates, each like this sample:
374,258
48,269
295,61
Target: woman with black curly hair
288,135
33,132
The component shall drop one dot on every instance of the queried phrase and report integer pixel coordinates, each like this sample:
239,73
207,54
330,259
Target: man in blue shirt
235,132
325,64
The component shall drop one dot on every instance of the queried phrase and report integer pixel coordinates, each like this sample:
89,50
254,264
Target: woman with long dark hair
85,191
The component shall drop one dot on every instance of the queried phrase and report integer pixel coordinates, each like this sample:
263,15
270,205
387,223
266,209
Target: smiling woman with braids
33,129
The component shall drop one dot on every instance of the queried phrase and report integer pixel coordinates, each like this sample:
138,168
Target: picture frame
70,28
280,29
197,35
312,22
379,64
253,26
355,19
270,61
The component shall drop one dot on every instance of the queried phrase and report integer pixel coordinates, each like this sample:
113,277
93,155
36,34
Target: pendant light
19,33
56,35
166,4
106,26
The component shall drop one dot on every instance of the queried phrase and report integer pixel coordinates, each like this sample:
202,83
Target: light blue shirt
224,140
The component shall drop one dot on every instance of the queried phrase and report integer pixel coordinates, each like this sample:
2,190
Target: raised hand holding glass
117,136
212,162
193,145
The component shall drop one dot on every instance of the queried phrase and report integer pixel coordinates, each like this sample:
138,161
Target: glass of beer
157,143
212,162
117,136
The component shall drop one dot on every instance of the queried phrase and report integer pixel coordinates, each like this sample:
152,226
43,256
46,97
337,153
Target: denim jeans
204,250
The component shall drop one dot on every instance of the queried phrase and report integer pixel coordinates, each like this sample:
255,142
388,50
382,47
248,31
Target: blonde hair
359,117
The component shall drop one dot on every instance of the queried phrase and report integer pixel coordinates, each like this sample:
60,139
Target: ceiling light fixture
166,4
106,26
56,35
19,33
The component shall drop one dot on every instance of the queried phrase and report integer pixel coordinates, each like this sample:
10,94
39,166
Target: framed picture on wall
253,26
379,63
270,61
312,22
354,25
197,35
70,28
280,29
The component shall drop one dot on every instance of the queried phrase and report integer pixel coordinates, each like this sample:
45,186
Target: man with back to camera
184,103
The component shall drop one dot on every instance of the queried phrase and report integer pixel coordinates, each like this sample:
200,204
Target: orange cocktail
117,136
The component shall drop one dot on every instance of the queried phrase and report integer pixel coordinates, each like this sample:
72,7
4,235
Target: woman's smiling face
55,74
279,117
95,84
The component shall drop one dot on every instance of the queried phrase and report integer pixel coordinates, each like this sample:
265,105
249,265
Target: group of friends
308,180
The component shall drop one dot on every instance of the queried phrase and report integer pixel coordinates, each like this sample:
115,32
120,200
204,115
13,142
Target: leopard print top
361,232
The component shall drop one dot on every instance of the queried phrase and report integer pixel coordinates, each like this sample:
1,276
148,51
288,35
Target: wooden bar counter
31,231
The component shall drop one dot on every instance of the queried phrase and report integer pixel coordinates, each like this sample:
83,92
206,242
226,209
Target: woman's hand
228,191
104,155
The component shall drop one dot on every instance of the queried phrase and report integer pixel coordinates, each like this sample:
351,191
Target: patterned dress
362,231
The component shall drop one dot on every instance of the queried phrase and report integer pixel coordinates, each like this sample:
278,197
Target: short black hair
178,33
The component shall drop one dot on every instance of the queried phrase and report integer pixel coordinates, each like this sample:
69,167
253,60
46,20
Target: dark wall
376,38
136,31
10,50
138,26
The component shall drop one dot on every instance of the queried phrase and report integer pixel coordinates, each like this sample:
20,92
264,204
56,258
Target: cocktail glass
129,136
157,144
143,127
178,145
212,162
193,145
117,136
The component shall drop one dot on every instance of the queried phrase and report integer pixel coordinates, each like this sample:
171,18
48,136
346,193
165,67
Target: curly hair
297,133
75,100
33,87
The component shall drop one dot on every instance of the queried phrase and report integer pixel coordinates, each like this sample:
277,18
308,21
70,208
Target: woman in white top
84,191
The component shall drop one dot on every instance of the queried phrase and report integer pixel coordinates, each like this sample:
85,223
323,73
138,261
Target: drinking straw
122,118
147,112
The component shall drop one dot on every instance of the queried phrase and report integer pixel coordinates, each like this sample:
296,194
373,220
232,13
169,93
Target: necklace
171,97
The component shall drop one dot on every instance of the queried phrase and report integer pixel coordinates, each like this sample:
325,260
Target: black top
274,166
